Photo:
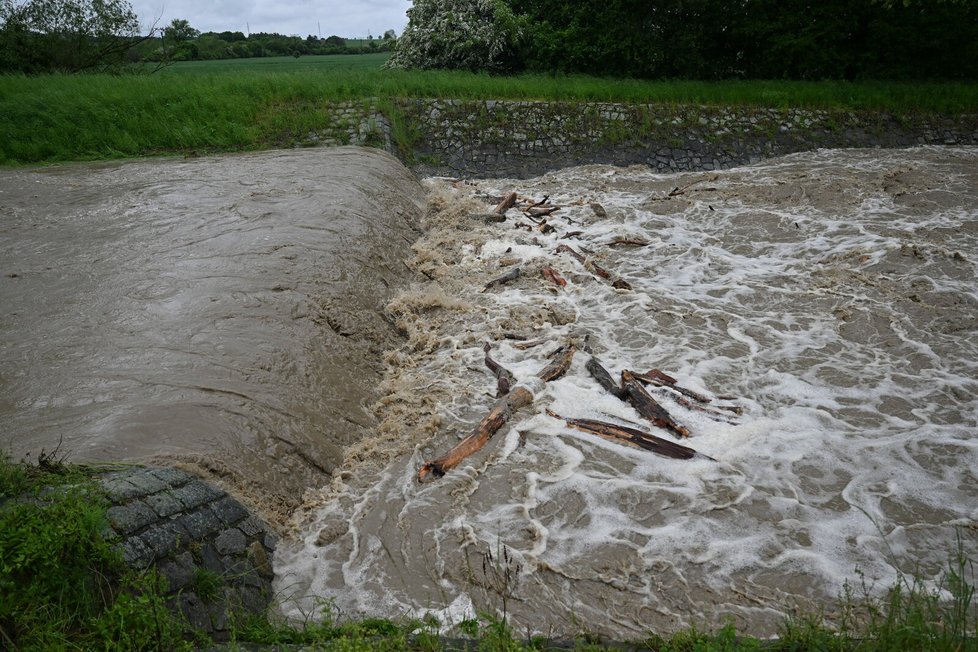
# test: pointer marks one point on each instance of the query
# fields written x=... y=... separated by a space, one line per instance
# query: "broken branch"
x=508 y=202
x=504 y=377
x=553 y=276
x=648 y=407
x=632 y=437
x=600 y=374
x=501 y=412
x=505 y=278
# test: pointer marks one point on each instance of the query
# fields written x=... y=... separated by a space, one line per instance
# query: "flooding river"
x=265 y=316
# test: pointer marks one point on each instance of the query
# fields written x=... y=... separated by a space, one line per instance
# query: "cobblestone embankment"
x=213 y=553
x=489 y=138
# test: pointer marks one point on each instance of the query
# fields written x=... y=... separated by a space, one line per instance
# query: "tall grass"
x=232 y=106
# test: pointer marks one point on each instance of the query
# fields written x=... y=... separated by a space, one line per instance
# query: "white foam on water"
x=831 y=293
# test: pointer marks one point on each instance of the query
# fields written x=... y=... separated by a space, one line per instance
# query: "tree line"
x=38 y=36
x=698 y=39
x=196 y=46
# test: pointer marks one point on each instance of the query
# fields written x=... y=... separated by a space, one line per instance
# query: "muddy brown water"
x=300 y=325
x=221 y=312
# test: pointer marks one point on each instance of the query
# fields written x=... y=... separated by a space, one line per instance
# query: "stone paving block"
x=251 y=526
x=166 y=539
x=137 y=553
x=147 y=482
x=201 y=523
x=210 y=559
x=194 y=610
x=173 y=477
x=229 y=510
x=129 y=518
x=179 y=571
x=231 y=542
x=163 y=503
x=119 y=488
x=197 y=493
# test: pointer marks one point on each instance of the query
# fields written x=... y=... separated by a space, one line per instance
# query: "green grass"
x=62 y=586
x=250 y=104
x=370 y=62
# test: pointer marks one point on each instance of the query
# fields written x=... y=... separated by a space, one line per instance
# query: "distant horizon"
x=302 y=18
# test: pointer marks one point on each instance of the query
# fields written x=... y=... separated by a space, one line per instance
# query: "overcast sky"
x=347 y=18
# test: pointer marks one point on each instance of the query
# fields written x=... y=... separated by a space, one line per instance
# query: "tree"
x=66 y=35
x=390 y=35
x=458 y=34
x=180 y=30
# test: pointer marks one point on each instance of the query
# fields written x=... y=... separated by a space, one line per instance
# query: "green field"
x=373 y=61
x=249 y=104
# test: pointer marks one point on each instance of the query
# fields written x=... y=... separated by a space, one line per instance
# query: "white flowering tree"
x=458 y=34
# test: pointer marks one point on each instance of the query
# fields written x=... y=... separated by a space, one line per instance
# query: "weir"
x=225 y=314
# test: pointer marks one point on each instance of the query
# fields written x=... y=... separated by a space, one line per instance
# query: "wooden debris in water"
x=631 y=437
x=648 y=407
x=553 y=276
x=501 y=412
x=504 y=377
x=509 y=276
x=507 y=202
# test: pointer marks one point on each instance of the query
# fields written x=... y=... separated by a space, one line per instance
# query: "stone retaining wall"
x=213 y=553
x=480 y=138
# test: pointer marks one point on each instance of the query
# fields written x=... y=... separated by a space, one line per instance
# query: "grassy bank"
x=63 y=587
x=249 y=104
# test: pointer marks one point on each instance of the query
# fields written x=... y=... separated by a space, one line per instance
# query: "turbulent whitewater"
x=832 y=295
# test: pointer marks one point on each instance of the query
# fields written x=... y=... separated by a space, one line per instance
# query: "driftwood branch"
x=600 y=374
x=507 y=203
x=592 y=266
x=553 y=276
x=648 y=407
x=504 y=377
x=660 y=379
x=501 y=412
x=632 y=437
x=512 y=275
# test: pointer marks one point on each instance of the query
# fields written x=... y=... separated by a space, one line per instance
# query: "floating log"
x=660 y=379
x=511 y=275
x=696 y=407
x=648 y=407
x=541 y=211
x=518 y=398
x=559 y=363
x=507 y=203
x=553 y=276
x=600 y=374
x=501 y=412
x=598 y=210
x=504 y=377
x=523 y=346
x=632 y=437
x=592 y=266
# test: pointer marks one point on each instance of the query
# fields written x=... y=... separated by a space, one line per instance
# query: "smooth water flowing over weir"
x=275 y=319
x=225 y=312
